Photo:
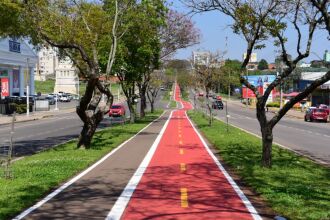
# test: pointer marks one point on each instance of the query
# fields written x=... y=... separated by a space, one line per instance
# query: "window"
x=14 y=46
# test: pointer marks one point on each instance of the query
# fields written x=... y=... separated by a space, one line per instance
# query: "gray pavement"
x=43 y=130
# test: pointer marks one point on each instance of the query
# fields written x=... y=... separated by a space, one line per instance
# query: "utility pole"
x=27 y=88
x=226 y=50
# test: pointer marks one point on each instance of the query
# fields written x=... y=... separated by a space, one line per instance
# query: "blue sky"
x=215 y=28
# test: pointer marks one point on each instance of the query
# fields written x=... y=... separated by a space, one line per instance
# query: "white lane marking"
x=119 y=207
x=73 y=180
x=239 y=192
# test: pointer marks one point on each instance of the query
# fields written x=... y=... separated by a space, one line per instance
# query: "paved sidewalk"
x=7 y=119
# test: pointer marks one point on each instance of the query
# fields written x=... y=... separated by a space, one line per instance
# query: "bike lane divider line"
x=184 y=198
x=119 y=207
x=238 y=191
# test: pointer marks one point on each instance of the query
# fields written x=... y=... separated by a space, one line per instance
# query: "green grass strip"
x=173 y=104
x=37 y=175
x=294 y=187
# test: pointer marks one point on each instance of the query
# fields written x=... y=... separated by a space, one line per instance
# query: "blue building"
x=17 y=62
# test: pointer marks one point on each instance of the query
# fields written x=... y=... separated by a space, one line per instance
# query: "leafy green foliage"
x=263 y=65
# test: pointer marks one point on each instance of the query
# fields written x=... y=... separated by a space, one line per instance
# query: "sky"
x=214 y=28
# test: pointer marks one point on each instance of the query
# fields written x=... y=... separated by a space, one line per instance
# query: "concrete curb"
x=37 y=117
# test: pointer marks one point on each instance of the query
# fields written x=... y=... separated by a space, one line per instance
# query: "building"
x=17 y=62
x=326 y=56
x=272 y=66
x=201 y=58
x=47 y=63
x=305 y=65
x=321 y=95
x=253 y=63
x=253 y=57
x=66 y=77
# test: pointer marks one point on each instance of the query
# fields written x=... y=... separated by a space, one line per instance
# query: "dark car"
x=316 y=114
x=217 y=104
x=117 y=110
x=51 y=100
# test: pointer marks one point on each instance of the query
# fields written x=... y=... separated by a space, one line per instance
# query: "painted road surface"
x=184 y=180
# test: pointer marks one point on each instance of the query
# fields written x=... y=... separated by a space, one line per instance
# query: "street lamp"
x=27 y=88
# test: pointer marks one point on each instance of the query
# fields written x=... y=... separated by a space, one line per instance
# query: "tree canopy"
x=263 y=64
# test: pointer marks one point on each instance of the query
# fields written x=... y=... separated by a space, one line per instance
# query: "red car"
x=117 y=110
x=313 y=114
x=219 y=98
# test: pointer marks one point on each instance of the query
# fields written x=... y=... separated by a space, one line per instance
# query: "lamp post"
x=27 y=89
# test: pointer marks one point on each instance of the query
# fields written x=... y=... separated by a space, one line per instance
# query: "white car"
x=64 y=98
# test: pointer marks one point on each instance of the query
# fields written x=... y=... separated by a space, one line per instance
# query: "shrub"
x=273 y=104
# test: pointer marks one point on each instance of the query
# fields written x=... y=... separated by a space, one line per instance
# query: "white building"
x=253 y=57
x=305 y=65
x=201 y=58
x=66 y=77
x=17 y=62
x=314 y=76
x=47 y=63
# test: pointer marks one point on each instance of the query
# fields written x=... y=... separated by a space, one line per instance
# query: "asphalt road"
x=34 y=136
x=310 y=139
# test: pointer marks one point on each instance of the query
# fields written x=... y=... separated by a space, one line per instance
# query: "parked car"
x=316 y=114
x=218 y=97
x=64 y=98
x=201 y=94
x=51 y=100
x=117 y=110
x=217 y=104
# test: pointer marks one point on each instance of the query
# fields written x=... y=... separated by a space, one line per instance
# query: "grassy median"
x=37 y=175
x=295 y=187
x=173 y=104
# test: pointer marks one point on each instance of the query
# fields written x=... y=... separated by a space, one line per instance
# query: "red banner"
x=4 y=87
x=248 y=93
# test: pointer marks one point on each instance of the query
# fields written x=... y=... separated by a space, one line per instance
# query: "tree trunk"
x=267 y=142
x=132 y=111
x=143 y=104
x=90 y=110
x=152 y=108
x=267 y=135
x=86 y=135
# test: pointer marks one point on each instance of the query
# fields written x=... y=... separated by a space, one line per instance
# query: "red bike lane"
x=184 y=181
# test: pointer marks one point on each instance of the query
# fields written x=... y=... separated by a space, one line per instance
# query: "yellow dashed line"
x=180 y=142
x=181 y=151
x=184 y=197
x=183 y=167
x=180 y=136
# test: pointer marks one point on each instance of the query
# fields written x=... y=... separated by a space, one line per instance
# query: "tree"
x=178 y=33
x=206 y=74
x=228 y=77
x=263 y=65
x=11 y=21
x=258 y=21
x=82 y=31
x=157 y=79
x=140 y=52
